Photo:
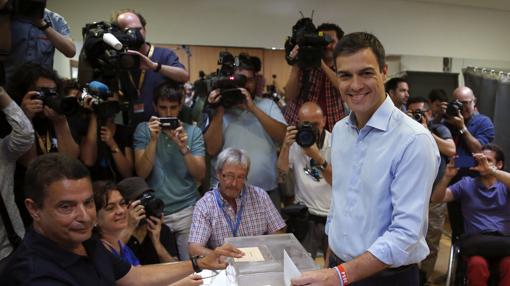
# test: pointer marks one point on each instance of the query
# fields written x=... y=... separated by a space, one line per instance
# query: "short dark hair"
x=331 y=27
x=500 y=156
x=247 y=62
x=115 y=16
x=168 y=90
x=393 y=83
x=102 y=190
x=355 y=42
x=68 y=85
x=25 y=76
x=418 y=99
x=50 y=168
x=438 y=94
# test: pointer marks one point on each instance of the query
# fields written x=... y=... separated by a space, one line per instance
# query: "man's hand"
x=30 y=105
x=451 y=170
x=483 y=167
x=53 y=115
x=107 y=137
x=136 y=213
x=323 y=277
x=290 y=136
x=154 y=127
x=216 y=259
x=294 y=52
x=312 y=151
x=457 y=121
x=214 y=97
x=248 y=104
x=179 y=136
x=145 y=62
x=190 y=280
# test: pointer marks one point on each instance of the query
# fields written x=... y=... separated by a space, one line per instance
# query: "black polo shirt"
x=40 y=261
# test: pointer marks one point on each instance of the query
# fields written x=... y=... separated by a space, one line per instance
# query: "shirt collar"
x=381 y=117
x=51 y=250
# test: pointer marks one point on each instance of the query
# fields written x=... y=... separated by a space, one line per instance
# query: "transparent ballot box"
x=263 y=261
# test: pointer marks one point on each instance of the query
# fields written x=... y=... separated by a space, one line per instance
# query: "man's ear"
x=32 y=208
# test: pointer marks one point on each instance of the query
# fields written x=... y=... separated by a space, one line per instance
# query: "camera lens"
x=306 y=135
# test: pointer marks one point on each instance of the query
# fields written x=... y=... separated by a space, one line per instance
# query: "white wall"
x=405 y=28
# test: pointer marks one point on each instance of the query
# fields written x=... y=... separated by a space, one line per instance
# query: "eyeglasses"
x=468 y=102
x=229 y=177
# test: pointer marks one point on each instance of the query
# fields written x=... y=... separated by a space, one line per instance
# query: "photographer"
x=303 y=164
x=171 y=156
x=255 y=125
x=419 y=109
x=485 y=208
x=111 y=158
x=12 y=146
x=156 y=66
x=470 y=129
x=398 y=89
x=35 y=32
x=320 y=83
x=34 y=87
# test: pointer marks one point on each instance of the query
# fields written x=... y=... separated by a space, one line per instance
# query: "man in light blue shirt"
x=384 y=164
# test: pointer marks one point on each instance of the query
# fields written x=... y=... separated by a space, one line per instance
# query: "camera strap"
x=141 y=79
x=44 y=144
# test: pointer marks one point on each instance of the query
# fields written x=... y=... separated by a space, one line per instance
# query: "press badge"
x=138 y=107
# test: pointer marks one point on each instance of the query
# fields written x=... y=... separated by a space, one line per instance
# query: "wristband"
x=44 y=27
x=342 y=275
x=194 y=263
x=158 y=68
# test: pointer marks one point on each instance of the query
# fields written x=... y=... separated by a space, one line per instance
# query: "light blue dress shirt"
x=382 y=181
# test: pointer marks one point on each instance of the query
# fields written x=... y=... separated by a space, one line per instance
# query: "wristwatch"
x=463 y=130
x=323 y=166
x=45 y=26
x=194 y=263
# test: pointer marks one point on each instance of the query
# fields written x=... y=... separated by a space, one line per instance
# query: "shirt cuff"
x=389 y=254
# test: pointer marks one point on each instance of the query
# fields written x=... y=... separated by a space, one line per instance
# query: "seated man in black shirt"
x=59 y=250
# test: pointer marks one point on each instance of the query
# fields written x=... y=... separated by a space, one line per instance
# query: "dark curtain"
x=493 y=99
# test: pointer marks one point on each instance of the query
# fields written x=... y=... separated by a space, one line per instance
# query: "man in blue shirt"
x=172 y=161
x=156 y=66
x=384 y=164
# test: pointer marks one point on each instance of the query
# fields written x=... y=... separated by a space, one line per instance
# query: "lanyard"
x=233 y=228
x=44 y=144
x=142 y=74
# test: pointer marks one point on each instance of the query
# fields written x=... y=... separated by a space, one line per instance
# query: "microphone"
x=112 y=41
x=98 y=88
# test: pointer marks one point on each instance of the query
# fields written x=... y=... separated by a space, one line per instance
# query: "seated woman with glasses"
x=232 y=209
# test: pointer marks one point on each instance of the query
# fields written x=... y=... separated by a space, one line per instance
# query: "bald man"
x=306 y=171
x=470 y=129
x=156 y=65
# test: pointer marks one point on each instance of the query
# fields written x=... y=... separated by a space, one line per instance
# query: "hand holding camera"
x=248 y=101
x=107 y=137
x=290 y=136
x=154 y=227
x=136 y=213
x=483 y=167
x=31 y=105
x=145 y=62
x=154 y=127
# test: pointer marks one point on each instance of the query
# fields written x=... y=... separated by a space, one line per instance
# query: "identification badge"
x=138 y=107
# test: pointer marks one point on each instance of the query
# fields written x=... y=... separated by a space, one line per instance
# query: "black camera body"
x=418 y=115
x=152 y=205
x=229 y=86
x=28 y=9
x=453 y=108
x=306 y=135
x=99 y=93
x=169 y=122
x=311 y=44
x=66 y=105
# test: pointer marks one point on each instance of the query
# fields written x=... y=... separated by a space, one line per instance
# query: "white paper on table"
x=251 y=254
x=290 y=269
x=218 y=280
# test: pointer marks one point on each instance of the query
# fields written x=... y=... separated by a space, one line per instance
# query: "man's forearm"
x=195 y=165
x=62 y=43
x=503 y=177
x=439 y=191
x=156 y=274
x=446 y=146
x=88 y=146
x=472 y=143
x=293 y=85
x=196 y=249
x=363 y=266
x=274 y=128
x=66 y=143
x=174 y=73
x=330 y=74
x=144 y=161
x=213 y=136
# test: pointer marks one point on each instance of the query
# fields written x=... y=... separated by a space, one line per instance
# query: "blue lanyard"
x=233 y=228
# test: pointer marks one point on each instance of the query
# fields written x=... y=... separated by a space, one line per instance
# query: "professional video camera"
x=98 y=93
x=453 y=108
x=310 y=41
x=152 y=205
x=306 y=135
x=418 y=115
x=104 y=52
x=65 y=105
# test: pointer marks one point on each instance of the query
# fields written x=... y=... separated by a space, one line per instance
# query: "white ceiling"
x=490 y=4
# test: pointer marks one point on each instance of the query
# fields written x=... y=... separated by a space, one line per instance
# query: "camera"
x=311 y=44
x=152 y=205
x=28 y=9
x=453 y=108
x=418 y=115
x=98 y=94
x=65 y=105
x=306 y=135
x=169 y=122
x=229 y=89
x=104 y=52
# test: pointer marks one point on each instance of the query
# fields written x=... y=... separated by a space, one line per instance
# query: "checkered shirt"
x=322 y=92
x=210 y=227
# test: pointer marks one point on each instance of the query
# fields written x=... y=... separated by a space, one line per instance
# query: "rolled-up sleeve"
x=410 y=194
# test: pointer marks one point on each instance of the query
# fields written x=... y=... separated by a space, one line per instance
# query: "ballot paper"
x=289 y=269
x=251 y=254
